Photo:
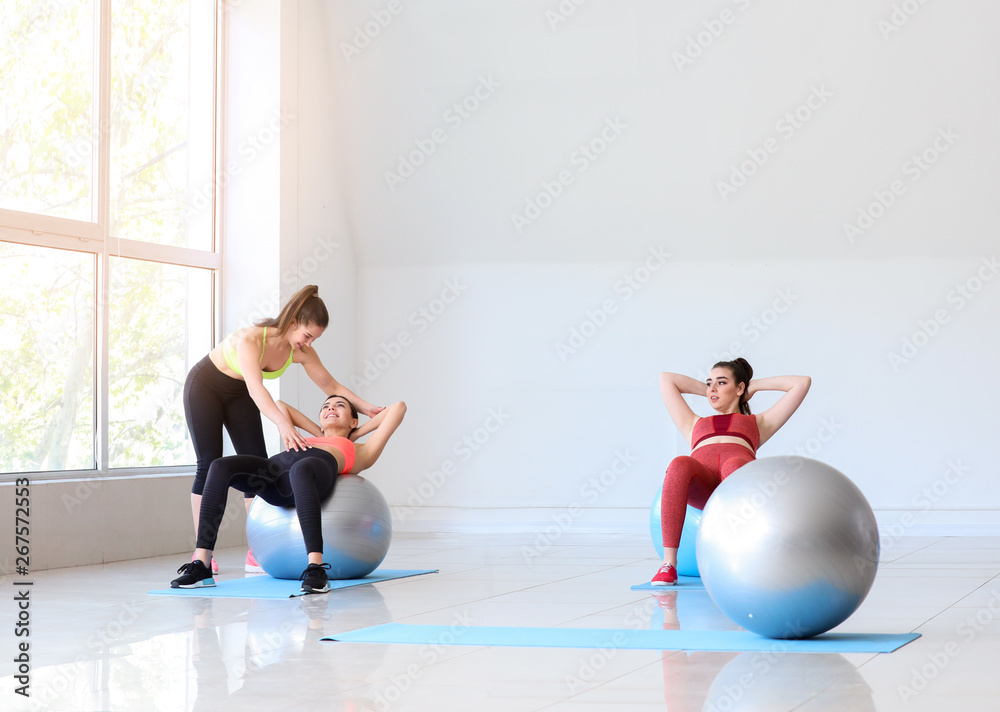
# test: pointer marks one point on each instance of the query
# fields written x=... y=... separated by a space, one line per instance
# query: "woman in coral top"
x=226 y=388
x=720 y=444
x=303 y=479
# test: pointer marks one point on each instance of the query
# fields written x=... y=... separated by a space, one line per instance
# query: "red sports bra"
x=732 y=424
x=345 y=446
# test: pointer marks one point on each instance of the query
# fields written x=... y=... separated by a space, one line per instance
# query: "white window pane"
x=162 y=121
x=47 y=134
x=47 y=349
x=160 y=325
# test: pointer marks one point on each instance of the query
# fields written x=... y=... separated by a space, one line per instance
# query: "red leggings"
x=691 y=479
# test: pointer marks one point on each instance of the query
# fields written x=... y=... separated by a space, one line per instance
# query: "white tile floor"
x=98 y=642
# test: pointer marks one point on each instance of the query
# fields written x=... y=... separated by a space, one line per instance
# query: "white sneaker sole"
x=204 y=583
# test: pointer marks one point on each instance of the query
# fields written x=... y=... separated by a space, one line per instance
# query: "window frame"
x=94 y=238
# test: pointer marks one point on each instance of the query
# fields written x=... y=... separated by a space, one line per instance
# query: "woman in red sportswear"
x=720 y=444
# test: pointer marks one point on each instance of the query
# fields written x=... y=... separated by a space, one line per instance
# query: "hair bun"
x=746 y=365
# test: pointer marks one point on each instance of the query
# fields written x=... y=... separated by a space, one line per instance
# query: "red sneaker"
x=252 y=567
x=666 y=576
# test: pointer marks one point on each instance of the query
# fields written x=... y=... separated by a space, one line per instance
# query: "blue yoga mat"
x=626 y=639
x=688 y=583
x=264 y=586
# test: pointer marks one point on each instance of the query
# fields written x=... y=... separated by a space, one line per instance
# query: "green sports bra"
x=229 y=354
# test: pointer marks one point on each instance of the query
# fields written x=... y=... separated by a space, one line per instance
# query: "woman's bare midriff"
x=215 y=355
x=723 y=439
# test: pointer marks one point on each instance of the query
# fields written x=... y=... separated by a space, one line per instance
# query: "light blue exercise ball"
x=687 y=560
x=788 y=547
x=357 y=529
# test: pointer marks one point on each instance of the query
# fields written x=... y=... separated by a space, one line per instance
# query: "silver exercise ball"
x=788 y=547
x=357 y=529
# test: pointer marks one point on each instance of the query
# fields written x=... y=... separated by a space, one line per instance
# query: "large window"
x=107 y=224
x=47 y=102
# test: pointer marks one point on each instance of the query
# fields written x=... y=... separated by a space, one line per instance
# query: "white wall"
x=879 y=102
x=320 y=250
x=570 y=362
x=285 y=217
x=874 y=99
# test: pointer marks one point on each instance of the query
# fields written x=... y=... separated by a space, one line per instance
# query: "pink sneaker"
x=666 y=576
x=215 y=565
x=252 y=567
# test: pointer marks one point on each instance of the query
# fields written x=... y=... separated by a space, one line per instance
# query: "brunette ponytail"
x=305 y=307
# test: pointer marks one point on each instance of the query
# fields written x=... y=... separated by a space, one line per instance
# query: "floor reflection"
x=757 y=681
x=245 y=660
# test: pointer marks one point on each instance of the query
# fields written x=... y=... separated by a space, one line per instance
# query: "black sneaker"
x=195 y=575
x=314 y=578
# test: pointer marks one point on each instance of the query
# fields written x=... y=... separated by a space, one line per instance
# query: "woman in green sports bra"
x=226 y=388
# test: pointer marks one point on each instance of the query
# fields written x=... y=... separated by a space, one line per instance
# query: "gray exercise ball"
x=357 y=529
x=788 y=547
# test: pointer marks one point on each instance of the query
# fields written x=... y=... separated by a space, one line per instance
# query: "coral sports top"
x=731 y=424
x=229 y=354
x=345 y=446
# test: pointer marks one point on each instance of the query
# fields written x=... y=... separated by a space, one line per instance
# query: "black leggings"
x=213 y=400
x=303 y=479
